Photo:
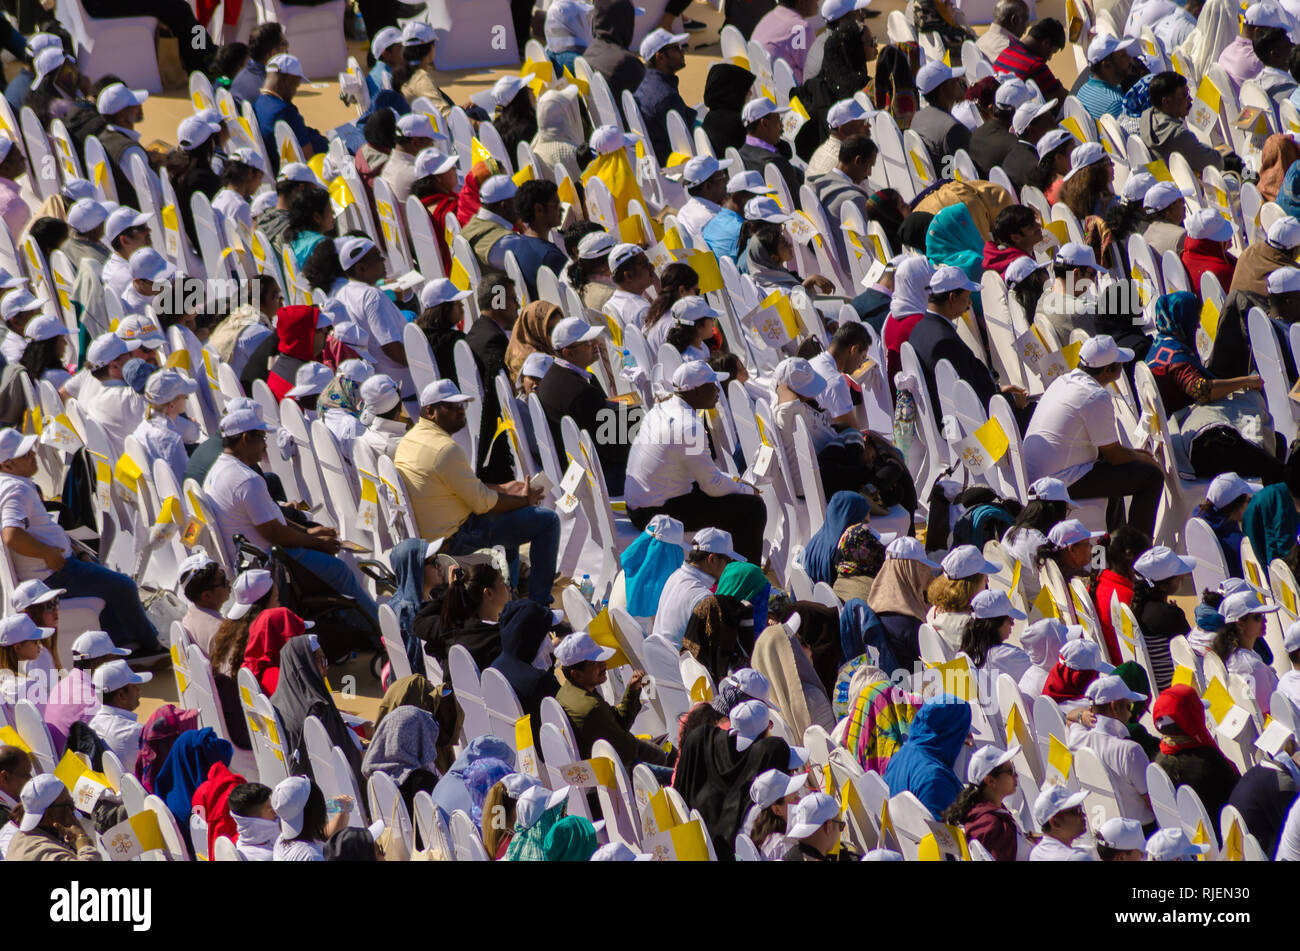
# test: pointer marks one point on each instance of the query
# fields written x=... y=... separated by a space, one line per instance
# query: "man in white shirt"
x=15 y=770
x=848 y=349
x=244 y=506
x=633 y=275
x=126 y=231
x=116 y=723
x=149 y=271
x=382 y=415
x=1010 y=18
x=414 y=134
x=1060 y=815
x=710 y=553
x=40 y=548
x=671 y=467
x=113 y=404
x=373 y=310
x=1112 y=705
x=1074 y=423
x=706 y=183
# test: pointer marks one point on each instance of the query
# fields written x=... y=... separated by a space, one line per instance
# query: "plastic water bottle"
x=359 y=27
x=587 y=588
x=629 y=361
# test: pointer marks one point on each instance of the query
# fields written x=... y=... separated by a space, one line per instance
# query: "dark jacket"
x=593 y=719
x=200 y=178
x=116 y=145
x=993 y=827
x=757 y=159
x=1206 y=770
x=1264 y=797
x=934 y=338
x=562 y=393
x=990 y=144
x=524 y=626
x=656 y=96
x=612 y=25
x=745 y=14
x=726 y=89
x=487 y=342
x=1019 y=159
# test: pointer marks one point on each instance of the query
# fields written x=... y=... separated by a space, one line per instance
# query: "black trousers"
x=197 y=48
x=1141 y=481
x=744 y=516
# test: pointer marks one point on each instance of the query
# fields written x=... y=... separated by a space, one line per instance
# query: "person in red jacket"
x=302 y=329
x=211 y=800
x=990 y=779
x=1206 y=247
x=266 y=638
x=1016 y=232
x=1123 y=548
x=439 y=191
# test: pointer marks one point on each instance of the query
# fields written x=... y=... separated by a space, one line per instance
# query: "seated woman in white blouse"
x=304 y=823
x=1235 y=644
x=984 y=638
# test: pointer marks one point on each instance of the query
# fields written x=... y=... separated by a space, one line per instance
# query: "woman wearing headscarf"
x=819 y=555
x=858 y=558
x=1042 y=641
x=952 y=238
x=1289 y=197
x=480 y=777
x=536 y=813
x=1136 y=679
x=568 y=33
x=797 y=692
x=452 y=791
x=726 y=90
x=193 y=754
x=911 y=302
x=572 y=839
x=301 y=330
x=1188 y=753
x=924 y=764
x=531 y=334
x=1206 y=409
x=302 y=693
x=416 y=691
x=653 y=555
x=419 y=582
x=1205 y=250
x=1069 y=678
x=266 y=639
x=212 y=799
x=898 y=597
x=746 y=582
x=894 y=87
x=352 y=845
x=559 y=130
x=1216 y=27
x=160 y=732
x=879 y=719
x=767 y=255
x=525 y=629
x=1280 y=153
x=405 y=747
x=843 y=73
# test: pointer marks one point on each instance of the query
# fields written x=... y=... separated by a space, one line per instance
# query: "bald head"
x=1012 y=16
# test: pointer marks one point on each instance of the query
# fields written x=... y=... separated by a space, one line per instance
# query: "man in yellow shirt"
x=450 y=502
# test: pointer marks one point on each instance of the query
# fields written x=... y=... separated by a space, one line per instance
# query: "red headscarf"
x=213 y=797
x=1181 y=704
x=157 y=737
x=266 y=638
x=1066 y=683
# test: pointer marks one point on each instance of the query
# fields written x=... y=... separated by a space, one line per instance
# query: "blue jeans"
x=18 y=87
x=334 y=572
x=123 y=616
x=532 y=524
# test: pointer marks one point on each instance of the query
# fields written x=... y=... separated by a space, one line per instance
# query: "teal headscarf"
x=747 y=582
x=1177 y=317
x=528 y=844
x=953 y=239
x=648 y=562
x=1289 y=196
x=572 y=839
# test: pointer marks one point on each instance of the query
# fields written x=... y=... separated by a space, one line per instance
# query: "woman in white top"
x=40 y=603
x=965 y=574
x=304 y=822
x=164 y=432
x=773 y=793
x=1042 y=641
x=45 y=356
x=241 y=177
x=1235 y=644
x=1049 y=503
x=693 y=322
x=984 y=639
x=20 y=644
x=678 y=280
x=633 y=275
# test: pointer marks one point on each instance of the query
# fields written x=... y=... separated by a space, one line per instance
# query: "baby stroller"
x=341 y=628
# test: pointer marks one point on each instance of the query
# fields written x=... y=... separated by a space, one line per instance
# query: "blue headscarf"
x=407 y=559
x=481 y=776
x=1138 y=98
x=1177 y=317
x=860 y=629
x=186 y=768
x=953 y=239
x=845 y=509
x=452 y=793
x=647 y=563
x=1289 y=196
x=923 y=765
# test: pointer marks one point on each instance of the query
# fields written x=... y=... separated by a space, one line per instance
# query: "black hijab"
x=726 y=90
x=302 y=693
x=350 y=845
x=913 y=231
x=524 y=625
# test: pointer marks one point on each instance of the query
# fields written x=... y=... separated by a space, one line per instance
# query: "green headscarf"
x=747 y=582
x=1135 y=678
x=528 y=845
x=572 y=839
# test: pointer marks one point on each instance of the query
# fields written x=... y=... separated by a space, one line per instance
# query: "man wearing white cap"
x=205 y=586
x=845 y=119
x=1112 y=704
x=49 y=831
x=1073 y=437
x=1103 y=93
x=382 y=415
x=764 y=145
x=942 y=87
x=671 y=468
x=449 y=501
x=710 y=553
x=1277 y=251
x=122 y=108
x=1163 y=126
x=494 y=221
x=86 y=220
x=722 y=232
x=1059 y=813
x=664 y=54
x=372 y=310
x=113 y=404
x=1164 y=202
x=164 y=433
x=1010 y=17
x=414 y=134
x=705 y=179
x=815 y=827
x=18 y=308
x=116 y=723
x=275 y=104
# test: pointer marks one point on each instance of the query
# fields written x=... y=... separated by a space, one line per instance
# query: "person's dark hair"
x=970 y=795
x=767 y=824
x=428 y=185
x=858 y=147
x=412 y=56
x=1043 y=172
x=1125 y=546
x=102 y=83
x=246 y=797
x=768 y=235
x=1265 y=38
x=234 y=173
x=984 y=95
x=697 y=556
x=574 y=233
x=725 y=362
x=1227 y=640
x=465 y=595
x=306 y=207
x=1048 y=30
x=264 y=38
x=979 y=636
x=680 y=336
x=808 y=348
x=322 y=267
x=700 y=717
x=1106 y=853
x=844 y=61
x=12 y=757
x=437 y=318
x=1163 y=85
x=942 y=297
x=850 y=334
x=180 y=161
x=1206 y=507
x=41 y=355
x=230 y=59
x=677 y=278
x=581 y=271
x=530 y=195
x=1029 y=290
x=630 y=267
x=1293 y=63
x=380 y=130
x=516 y=121
x=286 y=188
x=1012 y=220
x=1083 y=190
x=1126 y=218
x=1144 y=591
x=231 y=639
x=490 y=282
x=48 y=233
x=202 y=580
x=1040 y=514
x=313 y=817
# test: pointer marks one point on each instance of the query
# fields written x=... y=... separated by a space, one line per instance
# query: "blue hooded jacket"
x=186 y=768
x=843 y=510
x=860 y=629
x=923 y=766
x=407 y=559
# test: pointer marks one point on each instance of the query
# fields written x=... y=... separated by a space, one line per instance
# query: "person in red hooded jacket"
x=266 y=638
x=1187 y=749
x=1016 y=232
x=301 y=329
x=212 y=801
x=1206 y=247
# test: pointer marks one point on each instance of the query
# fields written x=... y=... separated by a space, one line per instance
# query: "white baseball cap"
x=1291 y=642
x=846 y=111
x=193 y=564
x=249 y=588
x=692 y=309
x=31 y=592
x=1163 y=194
x=1019 y=269
x=440 y=291
x=38 y=42
x=1123 y=835
x=20 y=301
x=1237 y=606
x=86 y=215
x=38 y=794
x=1160 y=563
x=1227 y=487
x=1074 y=254
x=536 y=364
x=141 y=329
x=620 y=254
x=748 y=181
x=716 y=542
x=698 y=170
x=757 y=109
x=45 y=327
x=1048 y=489
x=810 y=813
x=750 y=682
x=1084 y=655
x=535 y=802
x=907 y=548
x=193 y=131
x=49 y=60
x=1101 y=351
x=598 y=244
x=14 y=444
x=1027 y=112
x=579 y=648
x=1137 y=185
x=986 y=759
x=1089 y=153
x=1206 y=224
x=1269 y=14
x=298 y=172
x=120 y=220
x=146 y=264
x=609 y=138
x=947 y=278
x=417 y=33
x=17 y=628
x=934 y=74
x=113 y=99
x=497 y=188
x=1071 y=532
x=1284 y=280
x=965 y=561
x=1283 y=234
x=351 y=250
x=695 y=373
x=350 y=333
x=749 y=721
x=1054 y=799
x=106 y=348
x=379 y=394
x=442 y=391
x=772 y=786
x=430 y=161
x=1105 y=44
x=1012 y=93
x=310 y=380
x=384 y=38
x=765 y=208
x=994 y=604
x=357 y=370
x=240 y=421
x=289 y=800
x=93 y=644
x=657 y=39
x=798 y=374
x=1108 y=689
x=415 y=125
x=167 y=384
x=286 y=64
x=832 y=10
x=116 y=674
x=1171 y=845
x=573 y=330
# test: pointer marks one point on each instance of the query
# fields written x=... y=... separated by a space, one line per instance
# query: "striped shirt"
x=1018 y=59
x=1101 y=98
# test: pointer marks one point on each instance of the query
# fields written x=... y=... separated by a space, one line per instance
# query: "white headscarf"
x=911 y=287
x=1216 y=27
x=558 y=118
x=568 y=25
